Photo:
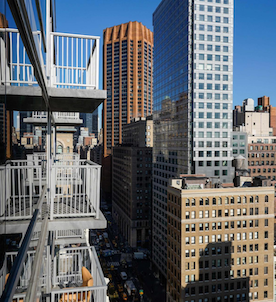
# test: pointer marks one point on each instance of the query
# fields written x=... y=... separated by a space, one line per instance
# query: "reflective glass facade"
x=192 y=99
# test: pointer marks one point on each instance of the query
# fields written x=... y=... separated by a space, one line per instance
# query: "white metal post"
x=97 y=62
x=48 y=40
x=54 y=141
x=48 y=156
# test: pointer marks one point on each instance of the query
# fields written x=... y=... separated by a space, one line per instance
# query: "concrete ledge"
x=29 y=98
x=20 y=226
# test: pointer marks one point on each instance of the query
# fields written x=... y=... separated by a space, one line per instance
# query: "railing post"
x=98 y=175
x=97 y=63
x=54 y=141
x=53 y=186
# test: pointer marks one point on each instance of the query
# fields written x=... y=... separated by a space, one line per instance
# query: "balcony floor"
x=63 y=223
x=29 y=98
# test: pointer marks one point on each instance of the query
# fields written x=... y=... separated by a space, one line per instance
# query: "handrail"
x=13 y=278
x=74 y=35
x=31 y=291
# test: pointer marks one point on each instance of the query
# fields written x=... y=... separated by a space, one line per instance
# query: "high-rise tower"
x=128 y=52
x=193 y=71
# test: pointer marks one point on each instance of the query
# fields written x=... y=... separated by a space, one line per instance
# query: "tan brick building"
x=220 y=242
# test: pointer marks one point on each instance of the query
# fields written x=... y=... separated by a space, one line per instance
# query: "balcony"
x=61 y=118
x=61 y=275
x=74 y=201
x=70 y=67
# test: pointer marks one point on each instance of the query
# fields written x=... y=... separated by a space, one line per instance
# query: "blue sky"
x=254 y=35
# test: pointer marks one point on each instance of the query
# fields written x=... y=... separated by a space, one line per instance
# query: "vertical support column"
x=49 y=157
x=54 y=141
x=97 y=63
x=48 y=41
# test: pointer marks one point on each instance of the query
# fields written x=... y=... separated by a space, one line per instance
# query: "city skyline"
x=253 y=26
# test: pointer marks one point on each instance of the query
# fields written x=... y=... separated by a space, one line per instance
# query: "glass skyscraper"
x=193 y=78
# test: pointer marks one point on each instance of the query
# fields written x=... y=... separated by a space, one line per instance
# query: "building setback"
x=193 y=70
x=223 y=236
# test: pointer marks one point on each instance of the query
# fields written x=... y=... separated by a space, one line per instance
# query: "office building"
x=220 y=242
x=258 y=124
x=132 y=182
x=48 y=200
x=139 y=132
x=127 y=77
x=91 y=121
x=127 y=55
x=193 y=71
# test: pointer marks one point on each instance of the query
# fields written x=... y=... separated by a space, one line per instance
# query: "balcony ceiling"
x=29 y=98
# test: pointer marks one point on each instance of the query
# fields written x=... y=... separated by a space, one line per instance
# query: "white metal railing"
x=76 y=191
x=42 y=115
x=27 y=269
x=75 y=187
x=3 y=273
x=80 y=294
x=23 y=185
x=75 y=62
x=68 y=157
x=73 y=233
x=16 y=68
x=67 y=271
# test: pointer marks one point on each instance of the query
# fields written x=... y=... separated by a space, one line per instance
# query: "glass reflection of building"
x=193 y=63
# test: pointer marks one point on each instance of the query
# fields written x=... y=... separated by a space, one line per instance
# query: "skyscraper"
x=192 y=99
x=128 y=51
x=90 y=121
x=127 y=77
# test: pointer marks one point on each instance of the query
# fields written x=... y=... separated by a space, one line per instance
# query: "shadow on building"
x=216 y=281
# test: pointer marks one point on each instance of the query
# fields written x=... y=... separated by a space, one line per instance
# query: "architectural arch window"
x=266 y=198
x=59 y=149
x=68 y=149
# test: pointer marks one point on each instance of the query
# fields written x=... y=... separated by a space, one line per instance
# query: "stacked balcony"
x=74 y=193
x=52 y=200
x=70 y=70
x=61 y=275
